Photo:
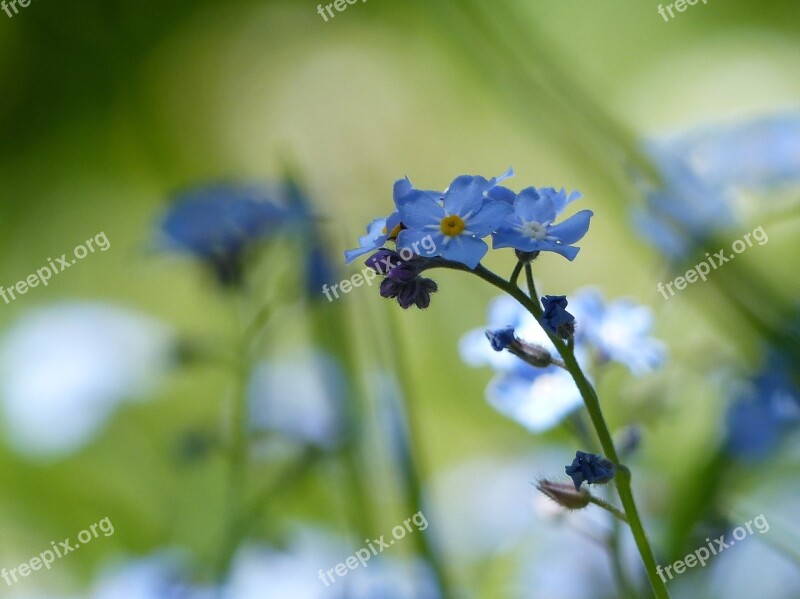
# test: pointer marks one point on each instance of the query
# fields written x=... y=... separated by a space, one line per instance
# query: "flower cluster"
x=452 y=225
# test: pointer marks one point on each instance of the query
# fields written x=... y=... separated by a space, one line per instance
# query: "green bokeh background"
x=108 y=107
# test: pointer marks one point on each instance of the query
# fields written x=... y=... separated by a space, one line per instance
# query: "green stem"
x=238 y=459
x=608 y=507
x=532 y=290
x=517 y=270
x=592 y=403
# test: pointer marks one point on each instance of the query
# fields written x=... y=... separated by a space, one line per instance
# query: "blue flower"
x=67 y=368
x=763 y=411
x=619 y=330
x=757 y=154
x=556 y=319
x=501 y=339
x=590 y=468
x=454 y=224
x=530 y=228
x=219 y=223
x=685 y=210
x=537 y=398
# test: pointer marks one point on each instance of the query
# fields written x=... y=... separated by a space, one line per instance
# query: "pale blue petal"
x=538 y=403
x=573 y=229
x=422 y=212
x=502 y=194
x=428 y=242
x=530 y=206
x=465 y=195
x=464 y=249
x=488 y=218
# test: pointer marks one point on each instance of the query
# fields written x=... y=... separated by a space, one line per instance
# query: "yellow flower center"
x=452 y=225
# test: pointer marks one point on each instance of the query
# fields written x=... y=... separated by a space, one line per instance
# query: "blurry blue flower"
x=685 y=210
x=619 y=330
x=536 y=398
x=456 y=224
x=500 y=339
x=65 y=369
x=161 y=576
x=590 y=468
x=555 y=318
x=756 y=154
x=704 y=171
x=299 y=397
x=530 y=228
x=763 y=411
x=219 y=223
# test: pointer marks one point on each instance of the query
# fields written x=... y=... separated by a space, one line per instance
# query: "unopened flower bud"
x=534 y=354
x=564 y=494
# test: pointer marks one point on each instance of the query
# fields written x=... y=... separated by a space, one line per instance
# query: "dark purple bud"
x=390 y=288
x=405 y=273
x=383 y=261
x=407 y=296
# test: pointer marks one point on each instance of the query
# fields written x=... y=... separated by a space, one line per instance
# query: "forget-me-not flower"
x=456 y=223
x=618 y=330
x=763 y=411
x=67 y=368
x=536 y=398
x=530 y=227
x=219 y=223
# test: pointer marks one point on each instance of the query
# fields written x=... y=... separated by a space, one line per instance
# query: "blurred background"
x=242 y=433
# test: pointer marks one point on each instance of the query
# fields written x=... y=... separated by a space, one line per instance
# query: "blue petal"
x=428 y=243
x=539 y=401
x=464 y=249
x=573 y=229
x=530 y=205
x=568 y=251
x=560 y=198
x=402 y=187
x=506 y=175
x=488 y=218
x=507 y=237
x=503 y=194
x=465 y=195
x=374 y=239
x=422 y=212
